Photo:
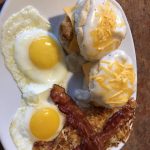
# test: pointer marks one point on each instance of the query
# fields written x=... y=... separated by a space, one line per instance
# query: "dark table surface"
x=138 y=13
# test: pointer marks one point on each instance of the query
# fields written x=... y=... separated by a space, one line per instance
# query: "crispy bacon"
x=124 y=115
x=77 y=119
x=121 y=117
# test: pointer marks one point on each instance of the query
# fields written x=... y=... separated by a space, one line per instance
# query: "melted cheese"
x=102 y=34
x=117 y=78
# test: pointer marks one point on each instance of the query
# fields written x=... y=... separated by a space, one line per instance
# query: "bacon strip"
x=121 y=117
x=77 y=119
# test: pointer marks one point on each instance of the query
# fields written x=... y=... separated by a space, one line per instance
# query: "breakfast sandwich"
x=97 y=27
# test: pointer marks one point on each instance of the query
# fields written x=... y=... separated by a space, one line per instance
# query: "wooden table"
x=138 y=13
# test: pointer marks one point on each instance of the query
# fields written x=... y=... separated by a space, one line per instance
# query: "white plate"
x=9 y=93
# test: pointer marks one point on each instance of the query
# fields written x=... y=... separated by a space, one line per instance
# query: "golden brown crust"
x=66 y=30
x=68 y=37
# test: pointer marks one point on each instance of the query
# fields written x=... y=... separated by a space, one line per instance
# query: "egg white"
x=30 y=80
x=19 y=128
x=22 y=44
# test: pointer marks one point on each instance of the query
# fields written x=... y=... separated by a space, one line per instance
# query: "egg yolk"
x=44 y=123
x=44 y=52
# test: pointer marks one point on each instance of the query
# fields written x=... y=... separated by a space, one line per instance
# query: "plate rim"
x=6 y=5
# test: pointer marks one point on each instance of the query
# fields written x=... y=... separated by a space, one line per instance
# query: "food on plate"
x=32 y=53
x=86 y=67
x=98 y=26
x=101 y=116
x=31 y=123
x=67 y=32
x=95 y=127
x=112 y=80
x=74 y=62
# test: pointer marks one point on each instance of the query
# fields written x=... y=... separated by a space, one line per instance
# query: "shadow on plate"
x=76 y=81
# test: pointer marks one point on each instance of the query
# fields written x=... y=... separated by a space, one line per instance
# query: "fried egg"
x=32 y=53
x=41 y=122
x=100 y=27
x=112 y=80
